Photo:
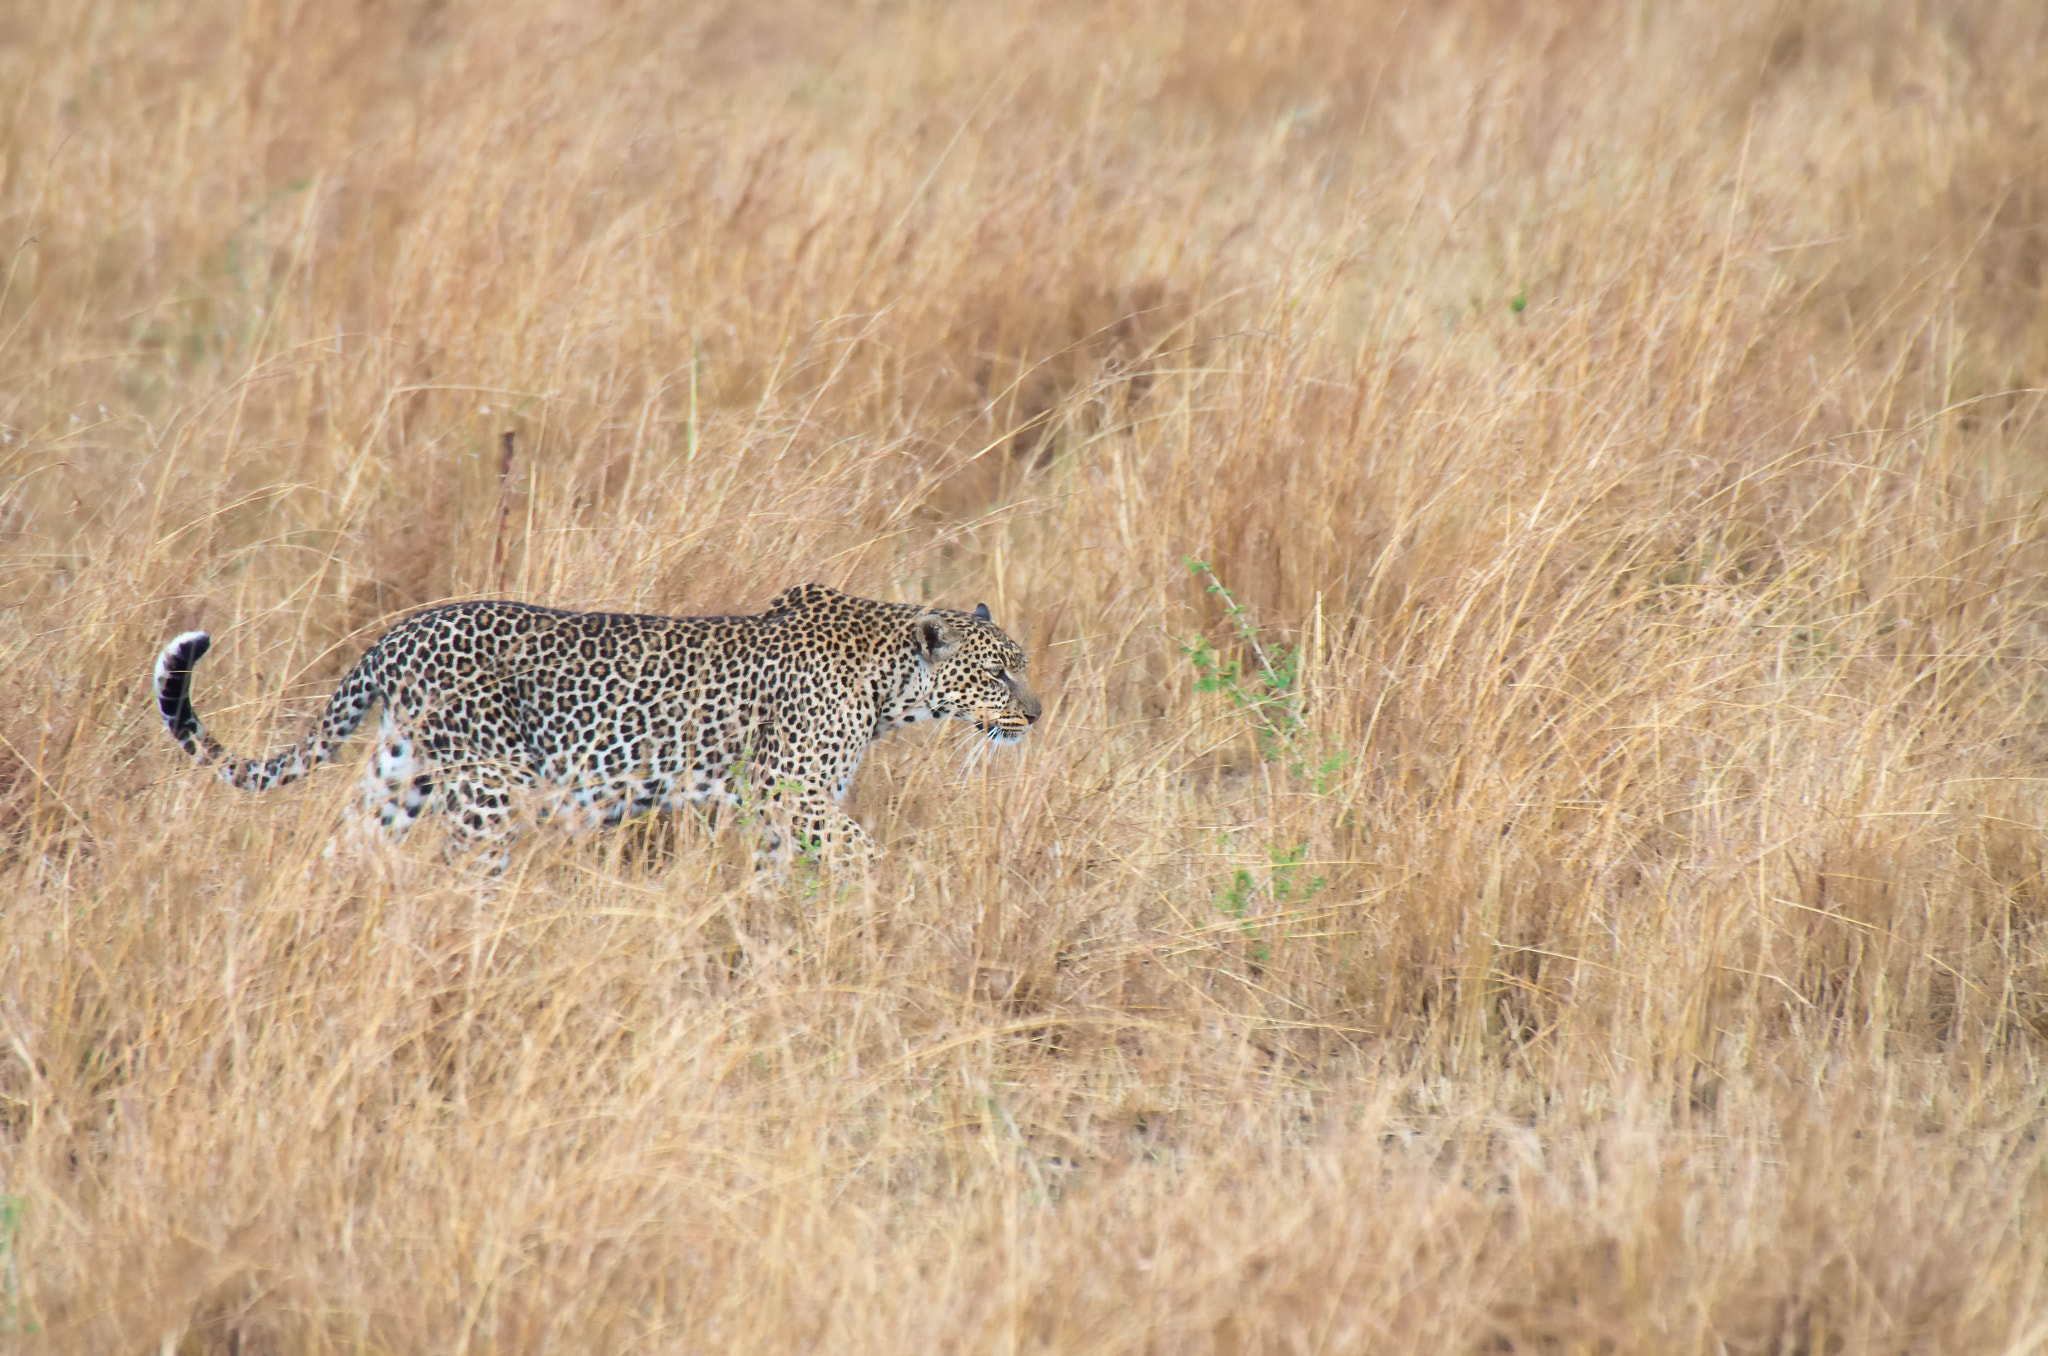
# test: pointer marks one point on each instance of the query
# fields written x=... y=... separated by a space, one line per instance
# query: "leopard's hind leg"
x=399 y=786
x=478 y=800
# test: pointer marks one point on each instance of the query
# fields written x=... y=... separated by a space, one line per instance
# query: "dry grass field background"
x=1567 y=876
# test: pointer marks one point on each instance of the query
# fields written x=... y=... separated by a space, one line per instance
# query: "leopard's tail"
x=345 y=710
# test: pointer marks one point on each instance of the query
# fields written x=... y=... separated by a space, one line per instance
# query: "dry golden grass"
x=1625 y=931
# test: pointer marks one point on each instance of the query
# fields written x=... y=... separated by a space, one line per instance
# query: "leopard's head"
x=974 y=672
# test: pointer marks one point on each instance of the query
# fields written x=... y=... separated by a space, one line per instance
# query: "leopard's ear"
x=934 y=639
x=981 y=612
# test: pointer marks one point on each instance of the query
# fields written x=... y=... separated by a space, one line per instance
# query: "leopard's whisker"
x=974 y=752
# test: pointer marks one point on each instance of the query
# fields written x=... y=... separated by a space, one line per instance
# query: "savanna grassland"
x=1564 y=875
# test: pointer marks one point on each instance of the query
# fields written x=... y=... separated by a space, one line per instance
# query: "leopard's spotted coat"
x=605 y=715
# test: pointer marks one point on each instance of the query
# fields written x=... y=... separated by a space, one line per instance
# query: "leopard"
x=494 y=710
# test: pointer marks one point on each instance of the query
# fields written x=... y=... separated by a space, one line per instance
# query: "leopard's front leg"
x=822 y=829
x=799 y=820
